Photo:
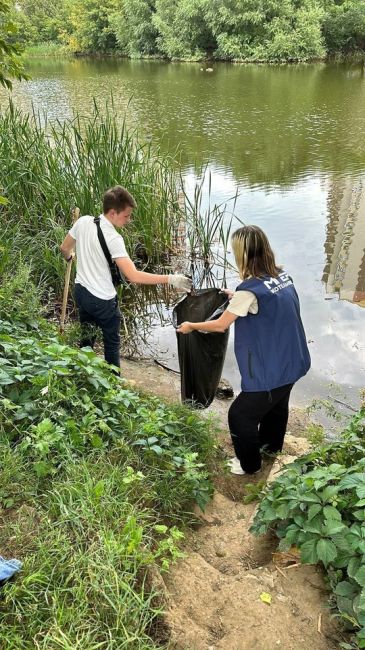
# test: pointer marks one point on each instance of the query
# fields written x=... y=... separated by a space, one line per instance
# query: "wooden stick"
x=280 y=571
x=319 y=624
x=293 y=566
x=75 y=216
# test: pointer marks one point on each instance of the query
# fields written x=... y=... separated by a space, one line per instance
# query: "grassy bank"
x=45 y=50
x=96 y=483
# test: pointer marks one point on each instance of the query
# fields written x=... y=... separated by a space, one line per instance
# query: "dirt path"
x=215 y=592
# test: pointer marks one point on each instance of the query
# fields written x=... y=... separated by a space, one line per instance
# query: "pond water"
x=291 y=140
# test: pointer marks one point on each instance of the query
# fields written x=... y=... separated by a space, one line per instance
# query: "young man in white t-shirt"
x=95 y=294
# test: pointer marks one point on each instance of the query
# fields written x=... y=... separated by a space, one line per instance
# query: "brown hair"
x=117 y=198
x=253 y=253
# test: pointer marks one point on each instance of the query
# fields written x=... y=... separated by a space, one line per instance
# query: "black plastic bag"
x=201 y=354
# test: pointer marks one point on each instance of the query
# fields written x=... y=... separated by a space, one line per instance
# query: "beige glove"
x=179 y=281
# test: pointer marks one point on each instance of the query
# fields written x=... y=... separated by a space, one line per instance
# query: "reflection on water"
x=344 y=272
x=289 y=139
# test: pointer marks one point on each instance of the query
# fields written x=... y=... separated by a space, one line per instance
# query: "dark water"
x=291 y=139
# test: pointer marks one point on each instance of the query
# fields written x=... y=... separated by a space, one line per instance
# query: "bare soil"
x=215 y=595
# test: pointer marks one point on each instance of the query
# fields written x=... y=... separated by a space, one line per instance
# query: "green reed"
x=49 y=168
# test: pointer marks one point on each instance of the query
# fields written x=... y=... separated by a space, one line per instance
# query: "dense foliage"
x=318 y=505
x=10 y=66
x=94 y=481
x=273 y=30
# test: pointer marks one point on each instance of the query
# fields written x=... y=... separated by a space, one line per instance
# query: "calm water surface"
x=291 y=139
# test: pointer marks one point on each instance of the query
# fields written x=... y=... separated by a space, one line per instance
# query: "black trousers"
x=256 y=420
x=105 y=314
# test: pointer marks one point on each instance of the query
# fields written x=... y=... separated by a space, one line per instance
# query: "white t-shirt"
x=92 y=269
x=242 y=303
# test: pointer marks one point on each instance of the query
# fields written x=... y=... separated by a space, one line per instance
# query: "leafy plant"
x=318 y=505
x=108 y=476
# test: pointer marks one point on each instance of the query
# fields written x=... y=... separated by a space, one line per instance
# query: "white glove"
x=179 y=281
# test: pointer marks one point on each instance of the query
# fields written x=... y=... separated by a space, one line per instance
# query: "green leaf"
x=283 y=511
x=161 y=529
x=331 y=513
x=346 y=589
x=332 y=527
x=313 y=526
x=99 y=489
x=361 y=635
x=43 y=468
x=326 y=551
x=360 y=576
x=157 y=449
x=308 y=552
x=345 y=606
x=353 y=566
x=314 y=510
x=96 y=441
x=351 y=481
x=310 y=498
x=329 y=492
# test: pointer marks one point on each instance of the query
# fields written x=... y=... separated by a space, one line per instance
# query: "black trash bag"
x=201 y=354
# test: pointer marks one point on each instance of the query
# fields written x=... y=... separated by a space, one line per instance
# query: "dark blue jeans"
x=105 y=314
x=258 y=420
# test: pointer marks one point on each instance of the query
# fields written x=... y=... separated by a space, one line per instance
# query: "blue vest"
x=270 y=347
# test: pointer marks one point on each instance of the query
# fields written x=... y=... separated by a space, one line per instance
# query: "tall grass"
x=47 y=169
x=207 y=231
x=46 y=49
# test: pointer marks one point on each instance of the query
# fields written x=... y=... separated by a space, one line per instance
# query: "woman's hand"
x=184 y=328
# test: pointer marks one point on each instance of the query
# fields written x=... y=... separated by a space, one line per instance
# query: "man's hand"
x=179 y=281
x=229 y=293
x=71 y=258
x=184 y=328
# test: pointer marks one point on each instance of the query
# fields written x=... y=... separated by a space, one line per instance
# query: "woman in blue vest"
x=270 y=348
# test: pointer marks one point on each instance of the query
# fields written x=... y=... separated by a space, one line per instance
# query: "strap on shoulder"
x=103 y=242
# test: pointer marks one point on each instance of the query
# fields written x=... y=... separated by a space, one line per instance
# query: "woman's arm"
x=220 y=325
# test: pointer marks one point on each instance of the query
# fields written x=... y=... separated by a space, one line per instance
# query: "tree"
x=134 y=29
x=270 y=30
x=183 y=29
x=44 y=19
x=344 y=25
x=91 y=25
x=10 y=65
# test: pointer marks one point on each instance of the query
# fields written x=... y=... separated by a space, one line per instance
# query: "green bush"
x=318 y=505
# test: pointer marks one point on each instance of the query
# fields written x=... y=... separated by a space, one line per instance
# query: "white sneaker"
x=235 y=467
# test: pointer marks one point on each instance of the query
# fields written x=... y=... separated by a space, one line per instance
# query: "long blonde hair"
x=253 y=253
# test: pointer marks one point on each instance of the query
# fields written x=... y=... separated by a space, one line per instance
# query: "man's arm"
x=127 y=267
x=67 y=247
x=175 y=280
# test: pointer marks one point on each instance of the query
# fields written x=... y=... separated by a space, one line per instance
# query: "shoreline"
x=51 y=50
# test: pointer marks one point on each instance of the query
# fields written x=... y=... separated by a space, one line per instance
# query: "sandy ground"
x=214 y=594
